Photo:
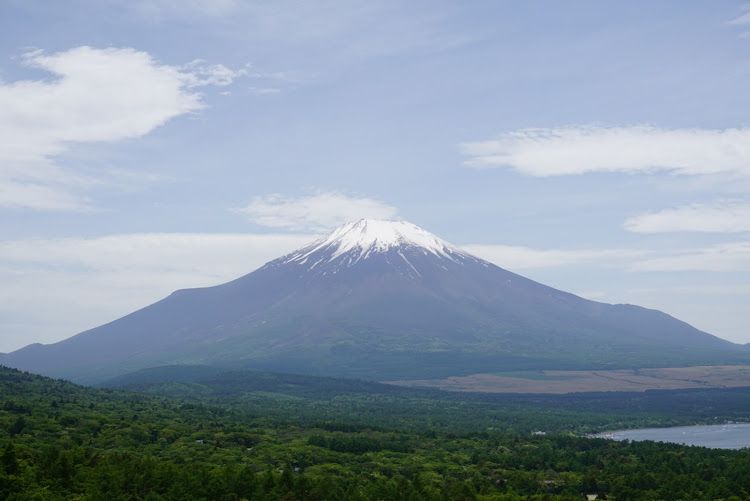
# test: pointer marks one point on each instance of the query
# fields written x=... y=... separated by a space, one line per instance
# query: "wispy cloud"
x=82 y=282
x=198 y=73
x=584 y=149
x=180 y=9
x=727 y=217
x=701 y=289
x=522 y=258
x=15 y=194
x=206 y=256
x=743 y=20
x=334 y=30
x=96 y=95
x=318 y=212
x=264 y=91
x=725 y=257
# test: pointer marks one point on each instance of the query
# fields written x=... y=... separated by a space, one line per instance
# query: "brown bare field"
x=670 y=378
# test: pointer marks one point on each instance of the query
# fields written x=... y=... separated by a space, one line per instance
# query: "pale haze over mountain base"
x=599 y=148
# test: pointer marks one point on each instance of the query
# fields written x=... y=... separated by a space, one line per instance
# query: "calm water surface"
x=721 y=436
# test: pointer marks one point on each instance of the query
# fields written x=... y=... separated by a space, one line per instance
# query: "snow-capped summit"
x=360 y=239
x=382 y=245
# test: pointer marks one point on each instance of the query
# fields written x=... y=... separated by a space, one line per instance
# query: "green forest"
x=310 y=399
x=259 y=436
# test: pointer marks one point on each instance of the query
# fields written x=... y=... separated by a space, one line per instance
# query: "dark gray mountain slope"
x=380 y=300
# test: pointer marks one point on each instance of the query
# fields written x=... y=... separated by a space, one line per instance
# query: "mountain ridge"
x=379 y=300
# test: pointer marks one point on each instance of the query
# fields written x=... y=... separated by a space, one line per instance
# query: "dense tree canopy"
x=62 y=441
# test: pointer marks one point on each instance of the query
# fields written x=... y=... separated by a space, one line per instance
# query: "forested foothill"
x=311 y=399
x=278 y=439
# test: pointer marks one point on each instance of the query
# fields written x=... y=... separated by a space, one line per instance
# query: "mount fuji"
x=379 y=300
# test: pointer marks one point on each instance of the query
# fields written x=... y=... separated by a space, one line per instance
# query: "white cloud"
x=733 y=217
x=521 y=258
x=96 y=95
x=319 y=212
x=80 y=283
x=726 y=257
x=583 y=149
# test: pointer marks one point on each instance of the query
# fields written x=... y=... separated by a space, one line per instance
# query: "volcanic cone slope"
x=379 y=300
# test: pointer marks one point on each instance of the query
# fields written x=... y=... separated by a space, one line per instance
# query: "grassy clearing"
x=558 y=382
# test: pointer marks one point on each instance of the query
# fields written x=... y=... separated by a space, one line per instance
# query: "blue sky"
x=602 y=148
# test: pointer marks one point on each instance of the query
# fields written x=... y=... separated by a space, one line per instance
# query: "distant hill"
x=164 y=373
x=207 y=381
x=380 y=300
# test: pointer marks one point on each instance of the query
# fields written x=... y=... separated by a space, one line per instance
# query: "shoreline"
x=694 y=439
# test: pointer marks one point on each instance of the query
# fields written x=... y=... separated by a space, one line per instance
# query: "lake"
x=720 y=436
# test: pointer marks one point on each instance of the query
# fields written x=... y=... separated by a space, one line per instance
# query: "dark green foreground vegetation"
x=62 y=441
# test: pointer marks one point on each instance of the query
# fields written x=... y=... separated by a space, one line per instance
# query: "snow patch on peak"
x=367 y=236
